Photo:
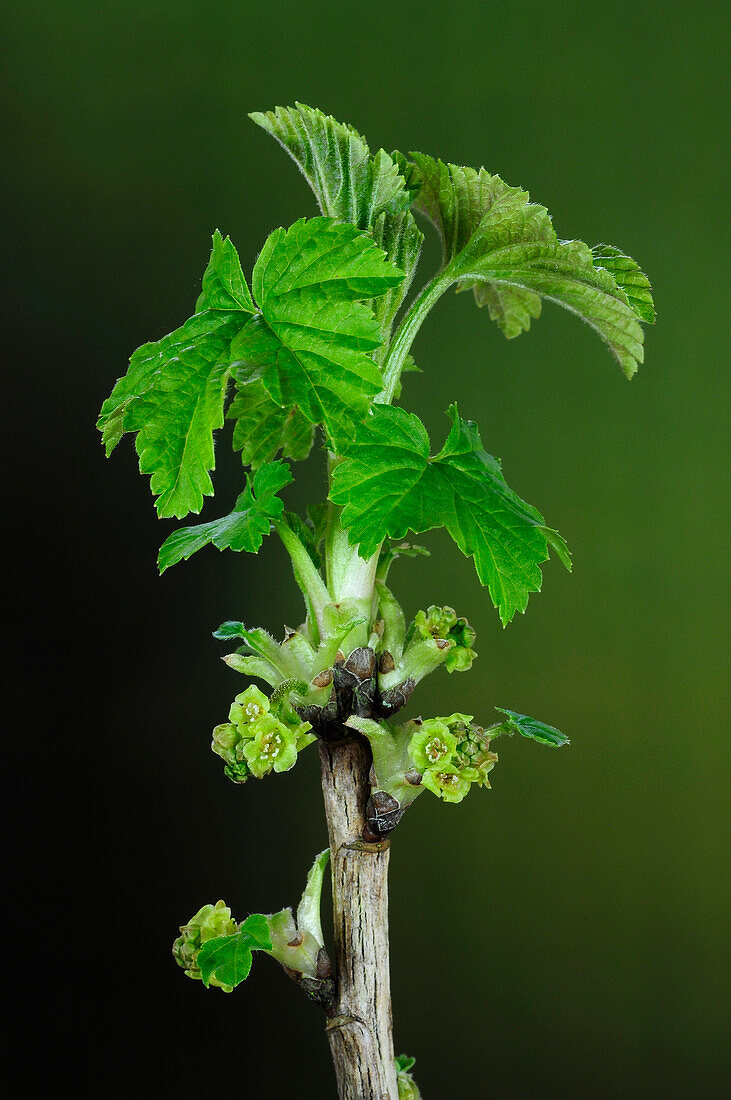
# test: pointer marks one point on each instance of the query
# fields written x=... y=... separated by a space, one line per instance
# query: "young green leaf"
x=505 y=248
x=256 y=927
x=388 y=484
x=309 y=340
x=243 y=529
x=529 y=727
x=311 y=344
x=224 y=285
x=229 y=958
x=174 y=390
x=351 y=184
x=401 y=240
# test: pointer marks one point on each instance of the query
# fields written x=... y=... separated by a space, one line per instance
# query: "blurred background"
x=561 y=935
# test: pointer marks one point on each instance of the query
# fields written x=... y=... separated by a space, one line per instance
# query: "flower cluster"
x=451 y=754
x=256 y=740
x=444 y=624
x=209 y=922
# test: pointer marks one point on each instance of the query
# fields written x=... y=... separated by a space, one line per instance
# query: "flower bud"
x=210 y=921
x=443 y=623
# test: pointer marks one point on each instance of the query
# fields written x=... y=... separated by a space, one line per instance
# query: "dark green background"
x=562 y=934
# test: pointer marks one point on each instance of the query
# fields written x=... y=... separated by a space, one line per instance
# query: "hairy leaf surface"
x=243 y=529
x=351 y=184
x=502 y=246
x=388 y=485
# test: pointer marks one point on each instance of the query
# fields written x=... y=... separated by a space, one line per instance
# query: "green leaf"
x=388 y=485
x=629 y=278
x=263 y=429
x=229 y=631
x=529 y=727
x=173 y=396
x=311 y=344
x=224 y=285
x=301 y=357
x=498 y=243
x=349 y=183
x=229 y=958
x=173 y=393
x=256 y=928
x=243 y=529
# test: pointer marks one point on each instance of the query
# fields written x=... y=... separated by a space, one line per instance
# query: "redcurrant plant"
x=314 y=345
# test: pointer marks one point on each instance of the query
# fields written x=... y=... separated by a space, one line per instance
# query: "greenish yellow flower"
x=248 y=707
x=448 y=782
x=272 y=745
x=210 y=921
x=432 y=744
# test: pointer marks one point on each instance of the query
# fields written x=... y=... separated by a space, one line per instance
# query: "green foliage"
x=309 y=344
x=243 y=529
x=216 y=950
x=529 y=727
x=389 y=484
x=226 y=961
x=308 y=340
x=502 y=246
x=263 y=429
x=353 y=185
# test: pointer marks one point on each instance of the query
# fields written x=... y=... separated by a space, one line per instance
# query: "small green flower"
x=432 y=744
x=248 y=707
x=210 y=921
x=448 y=782
x=272 y=745
x=444 y=623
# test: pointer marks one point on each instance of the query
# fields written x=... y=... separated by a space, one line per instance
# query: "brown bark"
x=360 y=1027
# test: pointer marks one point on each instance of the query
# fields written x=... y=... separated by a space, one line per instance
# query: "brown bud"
x=387 y=663
x=361 y=663
x=323 y=678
